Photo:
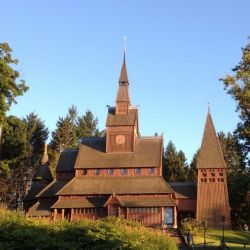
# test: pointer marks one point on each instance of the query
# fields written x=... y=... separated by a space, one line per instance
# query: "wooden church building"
x=121 y=175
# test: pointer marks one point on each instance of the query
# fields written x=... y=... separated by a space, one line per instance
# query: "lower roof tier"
x=116 y=185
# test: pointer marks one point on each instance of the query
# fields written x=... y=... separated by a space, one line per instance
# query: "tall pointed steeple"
x=122 y=98
x=210 y=155
x=212 y=194
x=124 y=75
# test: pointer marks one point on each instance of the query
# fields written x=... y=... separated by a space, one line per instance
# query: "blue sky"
x=70 y=52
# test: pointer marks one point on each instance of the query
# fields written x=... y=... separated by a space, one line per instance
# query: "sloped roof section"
x=147 y=153
x=84 y=202
x=35 y=188
x=124 y=75
x=40 y=209
x=146 y=201
x=122 y=120
x=210 y=155
x=184 y=190
x=67 y=160
x=123 y=94
x=43 y=173
x=50 y=190
x=117 y=185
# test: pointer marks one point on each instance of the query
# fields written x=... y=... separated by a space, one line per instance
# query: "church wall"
x=186 y=205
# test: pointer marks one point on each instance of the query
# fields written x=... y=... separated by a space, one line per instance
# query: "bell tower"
x=122 y=120
x=212 y=193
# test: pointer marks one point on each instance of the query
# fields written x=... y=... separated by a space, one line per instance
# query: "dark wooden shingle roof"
x=210 y=155
x=40 y=209
x=147 y=153
x=36 y=187
x=117 y=185
x=43 y=173
x=122 y=120
x=67 y=160
x=186 y=190
x=50 y=190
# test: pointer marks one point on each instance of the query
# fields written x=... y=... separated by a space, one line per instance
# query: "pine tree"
x=238 y=86
x=175 y=167
x=86 y=126
x=10 y=84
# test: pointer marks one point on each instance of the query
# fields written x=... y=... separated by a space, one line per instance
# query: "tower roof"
x=123 y=92
x=43 y=172
x=124 y=76
x=210 y=155
x=45 y=158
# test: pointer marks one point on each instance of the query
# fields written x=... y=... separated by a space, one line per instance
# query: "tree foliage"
x=23 y=141
x=10 y=84
x=238 y=178
x=238 y=86
x=20 y=232
x=175 y=167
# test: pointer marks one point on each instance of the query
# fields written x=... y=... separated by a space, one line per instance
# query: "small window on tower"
x=222 y=179
x=221 y=174
x=204 y=174
x=213 y=174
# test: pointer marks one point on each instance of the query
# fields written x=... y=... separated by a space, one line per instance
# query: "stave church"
x=121 y=175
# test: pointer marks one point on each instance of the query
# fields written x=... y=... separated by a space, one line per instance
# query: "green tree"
x=86 y=126
x=192 y=169
x=10 y=84
x=233 y=152
x=37 y=134
x=238 y=86
x=14 y=164
x=175 y=165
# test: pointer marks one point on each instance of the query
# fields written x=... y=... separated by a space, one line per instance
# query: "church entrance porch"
x=113 y=210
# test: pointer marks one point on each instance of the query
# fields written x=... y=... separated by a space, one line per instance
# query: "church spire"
x=122 y=98
x=210 y=155
x=124 y=76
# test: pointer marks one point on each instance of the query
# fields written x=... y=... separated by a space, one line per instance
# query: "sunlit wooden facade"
x=121 y=175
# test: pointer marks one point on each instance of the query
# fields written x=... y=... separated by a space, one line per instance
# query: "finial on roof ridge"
x=208 y=108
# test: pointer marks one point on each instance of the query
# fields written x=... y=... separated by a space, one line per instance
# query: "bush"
x=19 y=232
x=195 y=227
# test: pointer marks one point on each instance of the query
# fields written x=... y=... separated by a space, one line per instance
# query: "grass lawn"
x=215 y=235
